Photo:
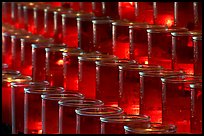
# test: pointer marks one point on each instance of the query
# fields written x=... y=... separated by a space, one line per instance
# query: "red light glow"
x=60 y=62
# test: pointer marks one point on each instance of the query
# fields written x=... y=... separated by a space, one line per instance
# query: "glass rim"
x=13 y=32
x=86 y=102
x=29 y=5
x=140 y=67
x=167 y=30
x=30 y=83
x=89 y=111
x=186 y=33
x=37 y=39
x=10 y=75
x=44 y=45
x=147 y=26
x=62 y=95
x=125 y=23
x=125 y=118
x=181 y=79
x=73 y=51
x=29 y=35
x=94 y=57
x=196 y=85
x=43 y=90
x=197 y=38
x=160 y=73
x=153 y=128
x=115 y=62
x=61 y=48
x=41 y=6
x=103 y=21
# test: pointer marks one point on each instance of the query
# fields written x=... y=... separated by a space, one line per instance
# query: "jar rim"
x=160 y=73
x=184 y=78
x=43 y=90
x=86 y=102
x=30 y=83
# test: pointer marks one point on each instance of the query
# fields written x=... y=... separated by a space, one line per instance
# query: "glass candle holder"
x=126 y=10
x=14 y=15
x=197 y=46
x=107 y=88
x=69 y=28
x=197 y=8
x=7 y=77
x=115 y=124
x=138 y=41
x=75 y=6
x=33 y=107
x=144 y=12
x=120 y=37
x=110 y=9
x=17 y=100
x=20 y=14
x=184 y=17
x=54 y=65
x=87 y=73
x=26 y=52
x=154 y=128
x=102 y=35
x=176 y=101
x=151 y=92
x=157 y=53
x=38 y=60
x=50 y=110
x=85 y=7
x=28 y=10
x=88 y=119
x=65 y=5
x=70 y=68
x=67 y=115
x=97 y=9
x=6 y=11
x=85 y=32
x=196 y=108
x=163 y=13
x=40 y=18
x=182 y=51
x=129 y=86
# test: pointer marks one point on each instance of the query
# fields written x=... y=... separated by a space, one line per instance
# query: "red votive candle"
x=163 y=13
x=110 y=9
x=139 y=43
x=70 y=68
x=115 y=124
x=14 y=14
x=54 y=4
x=88 y=119
x=129 y=86
x=107 y=87
x=17 y=100
x=38 y=60
x=197 y=45
x=144 y=12
x=7 y=77
x=65 y=5
x=182 y=51
x=75 y=6
x=160 y=46
x=33 y=107
x=176 y=101
x=26 y=52
x=102 y=35
x=21 y=21
x=50 y=110
x=153 y=128
x=54 y=65
x=151 y=92
x=197 y=8
x=87 y=72
x=6 y=12
x=67 y=115
x=196 y=108
x=184 y=15
x=97 y=9
x=85 y=7
x=126 y=10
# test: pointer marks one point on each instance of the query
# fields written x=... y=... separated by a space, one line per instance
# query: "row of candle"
x=54 y=58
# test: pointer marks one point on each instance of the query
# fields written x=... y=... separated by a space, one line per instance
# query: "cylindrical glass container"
x=26 y=52
x=54 y=65
x=160 y=46
x=65 y=5
x=70 y=68
x=196 y=108
x=67 y=115
x=20 y=14
x=85 y=7
x=129 y=86
x=97 y=9
x=33 y=107
x=88 y=119
x=197 y=46
x=14 y=15
x=17 y=100
x=176 y=101
x=139 y=43
x=50 y=110
x=87 y=72
x=151 y=92
x=110 y=9
x=126 y=10
x=197 y=8
x=182 y=51
x=75 y=6
x=107 y=87
x=8 y=76
x=102 y=35
x=115 y=124
x=154 y=128
x=6 y=12
x=163 y=13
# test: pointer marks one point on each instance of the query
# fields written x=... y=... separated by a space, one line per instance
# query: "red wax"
x=127 y=10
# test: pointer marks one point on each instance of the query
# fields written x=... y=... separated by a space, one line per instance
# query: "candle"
x=197 y=46
x=14 y=15
x=54 y=65
x=110 y=9
x=50 y=110
x=33 y=107
x=20 y=14
x=126 y=10
x=97 y=8
x=88 y=119
x=129 y=86
x=6 y=11
x=176 y=101
x=197 y=8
